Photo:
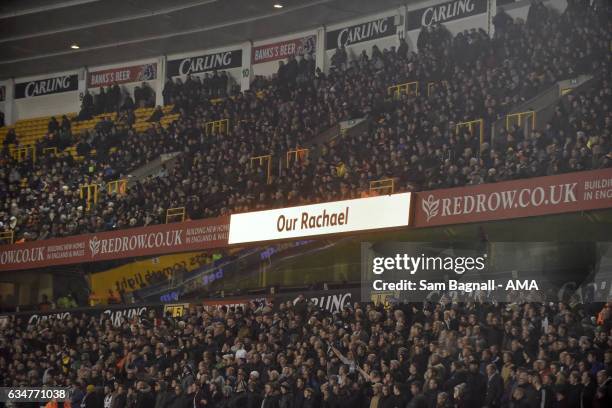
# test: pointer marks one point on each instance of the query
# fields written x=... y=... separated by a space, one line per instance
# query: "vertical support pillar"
x=247 y=68
x=160 y=81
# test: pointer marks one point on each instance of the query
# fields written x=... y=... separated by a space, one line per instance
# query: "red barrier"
x=571 y=192
x=127 y=243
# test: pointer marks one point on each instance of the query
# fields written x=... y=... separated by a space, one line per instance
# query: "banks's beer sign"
x=204 y=63
x=445 y=12
x=47 y=86
x=284 y=49
x=127 y=243
x=336 y=217
x=122 y=75
x=571 y=192
x=370 y=30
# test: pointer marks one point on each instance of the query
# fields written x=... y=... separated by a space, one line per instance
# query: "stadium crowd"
x=427 y=355
x=412 y=138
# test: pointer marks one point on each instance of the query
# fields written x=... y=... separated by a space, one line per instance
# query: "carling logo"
x=430 y=206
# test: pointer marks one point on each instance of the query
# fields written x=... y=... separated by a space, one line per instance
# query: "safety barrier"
x=471 y=125
x=117 y=186
x=520 y=116
x=219 y=126
x=260 y=160
x=6 y=237
x=397 y=90
x=431 y=85
x=23 y=152
x=89 y=192
x=383 y=186
x=50 y=150
x=175 y=213
x=297 y=155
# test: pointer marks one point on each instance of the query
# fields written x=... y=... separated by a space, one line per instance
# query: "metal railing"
x=261 y=160
x=7 y=237
x=383 y=186
x=220 y=126
x=297 y=154
x=21 y=153
x=397 y=90
x=117 y=186
x=472 y=125
x=90 y=193
x=520 y=117
x=174 y=213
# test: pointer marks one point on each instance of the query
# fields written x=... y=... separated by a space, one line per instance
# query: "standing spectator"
x=495 y=387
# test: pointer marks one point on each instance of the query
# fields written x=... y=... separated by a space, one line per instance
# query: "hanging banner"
x=127 y=243
x=140 y=274
x=371 y=30
x=332 y=301
x=122 y=75
x=334 y=217
x=204 y=63
x=47 y=86
x=570 y=192
x=116 y=314
x=284 y=49
x=445 y=12
x=254 y=302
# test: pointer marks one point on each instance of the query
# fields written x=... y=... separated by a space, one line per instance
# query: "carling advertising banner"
x=336 y=217
x=570 y=192
x=444 y=12
x=215 y=304
x=204 y=63
x=284 y=49
x=122 y=75
x=117 y=314
x=370 y=30
x=127 y=243
x=332 y=301
x=47 y=86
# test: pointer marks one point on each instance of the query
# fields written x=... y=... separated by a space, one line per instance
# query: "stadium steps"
x=543 y=104
x=334 y=134
x=153 y=167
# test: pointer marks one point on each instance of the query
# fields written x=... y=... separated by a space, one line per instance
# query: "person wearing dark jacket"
x=271 y=397
x=92 y=398
x=253 y=398
x=418 y=399
x=309 y=398
x=603 y=395
x=179 y=399
x=476 y=385
x=495 y=387
x=120 y=398
x=519 y=399
x=144 y=396
x=162 y=395
x=588 y=391
x=286 y=397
